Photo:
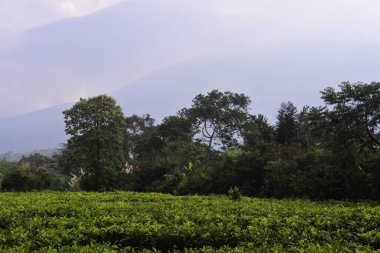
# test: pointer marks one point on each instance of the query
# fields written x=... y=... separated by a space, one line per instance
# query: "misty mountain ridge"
x=155 y=56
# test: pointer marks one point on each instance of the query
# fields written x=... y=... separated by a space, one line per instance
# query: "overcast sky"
x=91 y=49
x=19 y=15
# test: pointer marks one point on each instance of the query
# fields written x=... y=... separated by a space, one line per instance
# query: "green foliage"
x=20 y=179
x=257 y=131
x=17 y=180
x=43 y=171
x=319 y=153
x=133 y=222
x=5 y=166
x=287 y=123
x=240 y=168
x=357 y=107
x=218 y=117
x=174 y=128
x=234 y=193
x=38 y=161
x=140 y=138
x=96 y=126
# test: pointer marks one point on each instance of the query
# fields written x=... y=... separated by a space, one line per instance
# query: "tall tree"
x=257 y=130
x=357 y=108
x=139 y=136
x=287 y=124
x=218 y=117
x=96 y=126
x=174 y=128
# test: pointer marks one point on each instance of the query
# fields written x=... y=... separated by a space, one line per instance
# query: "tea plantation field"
x=145 y=222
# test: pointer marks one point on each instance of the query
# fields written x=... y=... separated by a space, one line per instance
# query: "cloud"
x=98 y=54
x=67 y=7
x=16 y=16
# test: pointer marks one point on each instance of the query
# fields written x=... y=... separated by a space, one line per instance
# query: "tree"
x=218 y=117
x=287 y=124
x=37 y=161
x=357 y=108
x=155 y=153
x=174 y=128
x=96 y=126
x=17 y=180
x=347 y=131
x=257 y=131
x=139 y=137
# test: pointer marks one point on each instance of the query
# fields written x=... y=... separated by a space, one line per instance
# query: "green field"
x=144 y=222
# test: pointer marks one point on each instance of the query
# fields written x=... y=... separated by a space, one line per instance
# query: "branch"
x=373 y=139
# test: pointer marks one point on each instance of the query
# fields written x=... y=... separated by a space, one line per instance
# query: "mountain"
x=107 y=50
x=155 y=56
x=100 y=52
x=33 y=131
x=168 y=90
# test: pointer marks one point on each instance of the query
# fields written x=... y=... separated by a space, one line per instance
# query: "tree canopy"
x=357 y=108
x=327 y=152
x=218 y=117
x=96 y=128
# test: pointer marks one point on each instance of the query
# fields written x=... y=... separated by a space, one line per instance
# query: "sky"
x=55 y=51
x=20 y=15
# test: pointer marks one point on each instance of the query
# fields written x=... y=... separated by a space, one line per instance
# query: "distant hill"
x=33 y=131
x=155 y=56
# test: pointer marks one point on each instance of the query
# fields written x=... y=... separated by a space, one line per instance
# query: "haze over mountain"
x=155 y=56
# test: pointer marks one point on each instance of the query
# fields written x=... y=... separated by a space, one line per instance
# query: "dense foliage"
x=34 y=172
x=134 y=222
x=325 y=152
x=96 y=129
x=328 y=152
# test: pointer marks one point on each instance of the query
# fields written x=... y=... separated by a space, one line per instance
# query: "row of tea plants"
x=151 y=222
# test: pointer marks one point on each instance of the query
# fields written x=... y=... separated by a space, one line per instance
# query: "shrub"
x=17 y=180
x=234 y=193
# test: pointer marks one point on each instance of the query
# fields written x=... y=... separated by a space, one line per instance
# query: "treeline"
x=326 y=152
x=32 y=173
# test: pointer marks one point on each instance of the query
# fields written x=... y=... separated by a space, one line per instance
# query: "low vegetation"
x=152 y=222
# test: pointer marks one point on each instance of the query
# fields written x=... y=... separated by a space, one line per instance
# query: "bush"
x=234 y=193
x=17 y=180
x=26 y=180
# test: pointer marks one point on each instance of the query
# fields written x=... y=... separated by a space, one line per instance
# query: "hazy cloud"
x=19 y=15
x=327 y=41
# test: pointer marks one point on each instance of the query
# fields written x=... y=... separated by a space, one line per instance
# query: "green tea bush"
x=150 y=222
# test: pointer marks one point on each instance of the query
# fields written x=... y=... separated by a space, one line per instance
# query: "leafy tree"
x=141 y=142
x=347 y=129
x=96 y=126
x=257 y=131
x=37 y=161
x=287 y=124
x=357 y=108
x=239 y=168
x=304 y=137
x=174 y=128
x=17 y=180
x=5 y=166
x=137 y=130
x=157 y=154
x=218 y=117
